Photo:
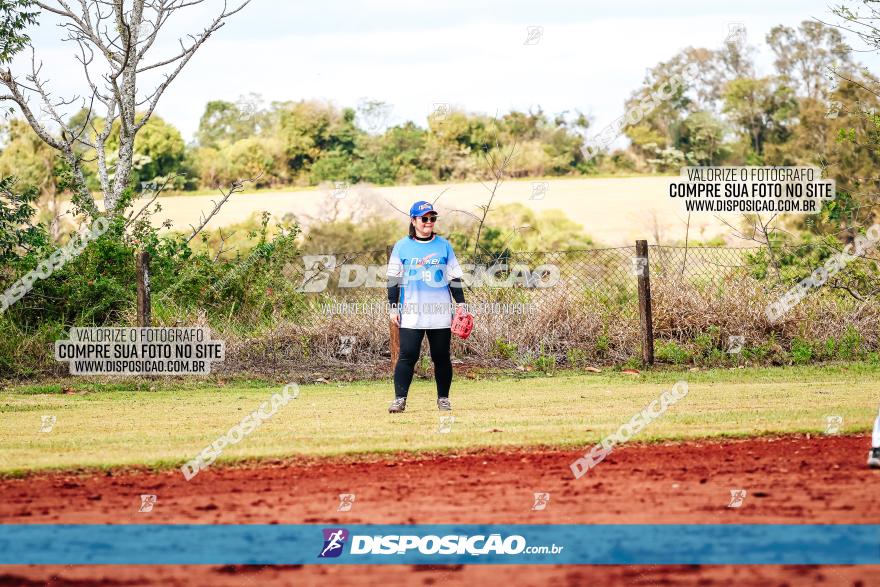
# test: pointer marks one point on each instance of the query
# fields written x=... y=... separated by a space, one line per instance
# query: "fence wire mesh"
x=700 y=297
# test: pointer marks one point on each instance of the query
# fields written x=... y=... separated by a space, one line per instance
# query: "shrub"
x=707 y=343
x=759 y=352
x=850 y=344
x=20 y=237
x=632 y=363
x=603 y=344
x=505 y=350
x=545 y=363
x=670 y=352
x=829 y=349
x=801 y=351
x=576 y=357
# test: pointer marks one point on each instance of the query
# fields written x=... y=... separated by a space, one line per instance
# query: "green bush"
x=759 y=353
x=801 y=351
x=21 y=239
x=542 y=361
x=545 y=363
x=632 y=363
x=708 y=343
x=849 y=347
x=305 y=345
x=504 y=349
x=576 y=357
x=243 y=294
x=603 y=344
x=670 y=352
x=829 y=349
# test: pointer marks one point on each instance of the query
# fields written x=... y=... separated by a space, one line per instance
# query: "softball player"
x=874 y=455
x=422 y=273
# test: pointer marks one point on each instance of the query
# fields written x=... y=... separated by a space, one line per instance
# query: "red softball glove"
x=462 y=323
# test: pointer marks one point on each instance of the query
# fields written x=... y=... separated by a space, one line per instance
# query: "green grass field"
x=113 y=425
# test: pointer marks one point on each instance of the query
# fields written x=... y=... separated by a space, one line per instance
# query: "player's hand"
x=395 y=319
x=464 y=308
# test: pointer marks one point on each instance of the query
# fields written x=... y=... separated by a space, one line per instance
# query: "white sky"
x=413 y=54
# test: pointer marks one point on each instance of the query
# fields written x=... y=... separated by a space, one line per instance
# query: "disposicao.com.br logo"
x=334 y=541
x=452 y=544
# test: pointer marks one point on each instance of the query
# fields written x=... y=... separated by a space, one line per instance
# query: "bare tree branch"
x=220 y=250
x=498 y=172
x=237 y=186
x=759 y=227
x=123 y=34
x=133 y=217
x=855 y=294
x=387 y=201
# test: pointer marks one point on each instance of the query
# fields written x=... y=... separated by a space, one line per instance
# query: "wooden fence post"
x=394 y=331
x=642 y=267
x=395 y=345
x=143 y=289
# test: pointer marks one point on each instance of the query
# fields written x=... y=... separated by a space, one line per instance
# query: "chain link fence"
x=702 y=298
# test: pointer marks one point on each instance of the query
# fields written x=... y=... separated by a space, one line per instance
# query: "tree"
x=763 y=109
x=120 y=37
x=15 y=17
x=19 y=235
x=308 y=129
x=703 y=137
x=347 y=235
x=732 y=61
x=517 y=229
x=700 y=141
x=373 y=115
x=223 y=122
x=660 y=105
x=253 y=156
x=33 y=163
x=161 y=150
x=804 y=57
x=856 y=155
x=394 y=157
x=220 y=124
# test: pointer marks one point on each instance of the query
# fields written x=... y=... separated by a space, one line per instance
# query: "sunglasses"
x=426 y=219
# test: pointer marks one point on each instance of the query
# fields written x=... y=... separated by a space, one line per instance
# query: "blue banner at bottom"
x=636 y=544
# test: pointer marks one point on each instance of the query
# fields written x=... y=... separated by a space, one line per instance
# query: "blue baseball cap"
x=421 y=207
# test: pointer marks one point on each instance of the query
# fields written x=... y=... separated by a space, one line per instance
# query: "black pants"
x=439 y=340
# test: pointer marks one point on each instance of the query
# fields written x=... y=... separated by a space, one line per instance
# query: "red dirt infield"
x=791 y=479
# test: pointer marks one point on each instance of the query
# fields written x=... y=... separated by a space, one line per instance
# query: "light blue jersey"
x=425 y=269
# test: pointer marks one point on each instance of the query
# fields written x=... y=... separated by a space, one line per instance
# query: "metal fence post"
x=644 y=277
x=394 y=331
x=143 y=289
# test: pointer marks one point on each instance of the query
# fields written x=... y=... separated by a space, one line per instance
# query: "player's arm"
x=394 y=275
x=393 y=298
x=454 y=273
x=456 y=286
